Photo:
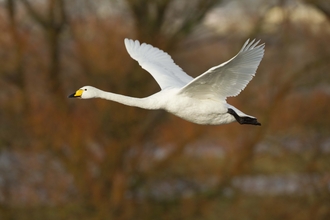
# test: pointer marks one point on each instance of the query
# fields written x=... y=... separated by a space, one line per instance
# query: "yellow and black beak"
x=77 y=94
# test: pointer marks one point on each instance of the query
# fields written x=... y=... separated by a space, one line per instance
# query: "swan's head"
x=86 y=92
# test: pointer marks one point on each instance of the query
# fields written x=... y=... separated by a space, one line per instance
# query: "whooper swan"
x=200 y=100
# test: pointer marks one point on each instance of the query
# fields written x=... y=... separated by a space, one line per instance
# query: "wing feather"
x=229 y=78
x=158 y=63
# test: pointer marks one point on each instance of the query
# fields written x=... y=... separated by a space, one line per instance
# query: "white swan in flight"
x=200 y=100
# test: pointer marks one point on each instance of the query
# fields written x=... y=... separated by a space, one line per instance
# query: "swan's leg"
x=243 y=119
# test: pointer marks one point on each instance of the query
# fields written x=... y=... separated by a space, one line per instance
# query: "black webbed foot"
x=243 y=120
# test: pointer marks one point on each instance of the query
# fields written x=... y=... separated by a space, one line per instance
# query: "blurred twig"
x=52 y=24
x=321 y=5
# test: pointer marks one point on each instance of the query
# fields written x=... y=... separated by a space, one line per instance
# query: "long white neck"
x=146 y=103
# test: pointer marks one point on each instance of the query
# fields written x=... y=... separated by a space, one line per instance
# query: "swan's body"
x=201 y=100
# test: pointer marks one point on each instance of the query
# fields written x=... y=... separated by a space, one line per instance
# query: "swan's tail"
x=246 y=119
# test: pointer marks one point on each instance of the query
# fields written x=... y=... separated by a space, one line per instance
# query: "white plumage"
x=201 y=100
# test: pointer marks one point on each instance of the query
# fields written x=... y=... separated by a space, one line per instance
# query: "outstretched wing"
x=158 y=63
x=229 y=78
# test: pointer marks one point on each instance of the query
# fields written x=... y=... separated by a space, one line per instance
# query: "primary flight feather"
x=201 y=100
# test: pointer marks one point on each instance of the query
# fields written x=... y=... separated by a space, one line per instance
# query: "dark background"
x=93 y=159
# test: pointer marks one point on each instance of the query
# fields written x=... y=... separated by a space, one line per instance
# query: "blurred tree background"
x=95 y=159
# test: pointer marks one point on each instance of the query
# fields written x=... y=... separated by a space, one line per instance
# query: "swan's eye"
x=85 y=89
